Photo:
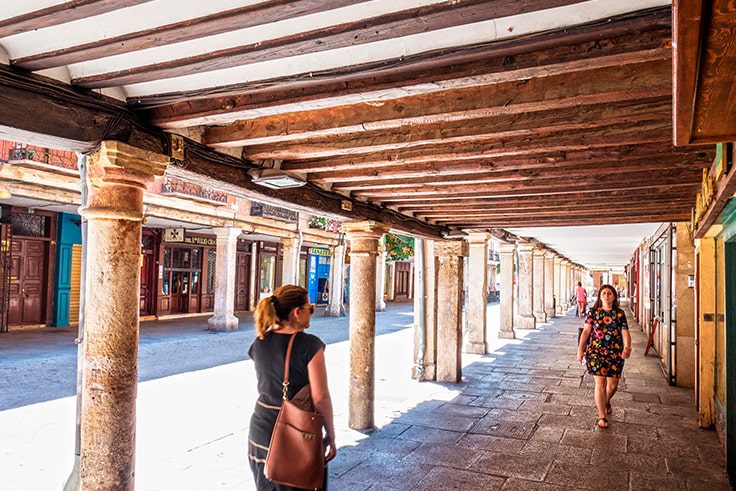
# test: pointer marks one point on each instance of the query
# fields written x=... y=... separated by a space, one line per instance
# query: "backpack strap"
x=285 y=383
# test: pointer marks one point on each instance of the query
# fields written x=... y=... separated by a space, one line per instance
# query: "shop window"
x=267 y=274
x=195 y=282
x=211 y=257
x=196 y=259
x=181 y=258
x=167 y=257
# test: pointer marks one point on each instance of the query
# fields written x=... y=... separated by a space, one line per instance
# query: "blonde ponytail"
x=277 y=307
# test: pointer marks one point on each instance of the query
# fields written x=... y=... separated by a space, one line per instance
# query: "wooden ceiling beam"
x=543 y=93
x=545 y=204
x=559 y=212
x=649 y=125
x=653 y=190
x=362 y=31
x=570 y=222
x=580 y=141
x=479 y=153
x=420 y=167
x=557 y=171
x=61 y=13
x=239 y=18
x=529 y=123
x=550 y=186
x=631 y=37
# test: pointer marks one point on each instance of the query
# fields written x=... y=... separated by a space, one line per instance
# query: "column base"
x=526 y=322
x=337 y=311
x=476 y=348
x=222 y=323
x=506 y=335
x=550 y=312
x=540 y=316
x=380 y=306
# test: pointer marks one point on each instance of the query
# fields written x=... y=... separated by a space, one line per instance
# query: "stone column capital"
x=525 y=247
x=478 y=238
x=290 y=241
x=117 y=174
x=506 y=248
x=227 y=233
x=565 y=262
x=539 y=251
x=368 y=229
x=451 y=248
x=557 y=259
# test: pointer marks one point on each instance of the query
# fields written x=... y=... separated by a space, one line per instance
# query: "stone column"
x=225 y=268
x=336 y=307
x=449 y=254
x=425 y=311
x=290 y=271
x=381 y=276
x=538 y=276
x=549 y=284
x=564 y=285
x=364 y=237
x=117 y=175
x=526 y=319
x=506 y=255
x=477 y=301
x=558 y=285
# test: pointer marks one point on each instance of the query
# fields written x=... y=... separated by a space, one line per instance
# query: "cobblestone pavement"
x=524 y=419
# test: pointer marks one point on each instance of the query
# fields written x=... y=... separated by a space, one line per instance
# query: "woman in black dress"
x=286 y=312
x=610 y=344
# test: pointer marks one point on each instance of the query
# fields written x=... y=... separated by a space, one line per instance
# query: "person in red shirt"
x=582 y=298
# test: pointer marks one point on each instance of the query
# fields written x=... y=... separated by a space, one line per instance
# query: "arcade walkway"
x=524 y=419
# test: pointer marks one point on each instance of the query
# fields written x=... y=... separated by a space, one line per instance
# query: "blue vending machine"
x=319 y=275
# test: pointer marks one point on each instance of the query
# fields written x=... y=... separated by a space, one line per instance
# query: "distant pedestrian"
x=582 y=298
x=287 y=312
x=610 y=344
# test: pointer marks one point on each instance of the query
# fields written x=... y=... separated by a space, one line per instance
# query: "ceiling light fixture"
x=276 y=179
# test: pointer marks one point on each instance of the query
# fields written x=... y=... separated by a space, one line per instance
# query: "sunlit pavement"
x=193 y=425
x=523 y=418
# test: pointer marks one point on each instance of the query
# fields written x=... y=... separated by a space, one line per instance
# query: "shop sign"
x=270 y=211
x=183 y=189
x=319 y=252
x=201 y=241
x=174 y=235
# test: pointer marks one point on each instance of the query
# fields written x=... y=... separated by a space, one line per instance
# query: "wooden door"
x=28 y=271
x=401 y=283
x=147 y=285
x=242 y=280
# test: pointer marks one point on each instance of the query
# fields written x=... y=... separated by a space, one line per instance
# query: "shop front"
x=28 y=277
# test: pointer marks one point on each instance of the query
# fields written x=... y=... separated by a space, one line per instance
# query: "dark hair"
x=598 y=303
x=580 y=284
x=277 y=307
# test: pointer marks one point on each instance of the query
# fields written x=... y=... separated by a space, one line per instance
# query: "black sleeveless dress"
x=269 y=355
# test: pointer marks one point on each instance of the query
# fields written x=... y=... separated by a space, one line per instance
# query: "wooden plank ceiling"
x=463 y=114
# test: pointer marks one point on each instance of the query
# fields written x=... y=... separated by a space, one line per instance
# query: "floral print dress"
x=606 y=343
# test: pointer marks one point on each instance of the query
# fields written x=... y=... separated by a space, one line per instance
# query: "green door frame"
x=730 y=260
x=728 y=219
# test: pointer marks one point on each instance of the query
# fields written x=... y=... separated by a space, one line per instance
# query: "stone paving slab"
x=524 y=418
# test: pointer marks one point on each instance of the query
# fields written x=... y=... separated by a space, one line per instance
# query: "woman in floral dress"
x=609 y=346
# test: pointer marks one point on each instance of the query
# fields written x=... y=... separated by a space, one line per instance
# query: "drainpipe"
x=73 y=482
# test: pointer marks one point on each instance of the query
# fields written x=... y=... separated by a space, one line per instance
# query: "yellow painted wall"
x=685 y=314
x=706 y=295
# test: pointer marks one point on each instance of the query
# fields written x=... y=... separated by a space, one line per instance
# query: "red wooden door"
x=242 y=280
x=147 y=285
x=28 y=270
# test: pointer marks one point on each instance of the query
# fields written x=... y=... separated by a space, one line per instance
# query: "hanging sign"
x=274 y=212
